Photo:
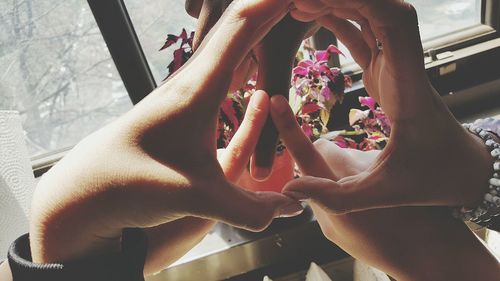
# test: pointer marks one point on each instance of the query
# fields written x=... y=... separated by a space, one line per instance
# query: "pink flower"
x=368 y=101
x=341 y=142
x=306 y=128
x=332 y=49
x=302 y=71
x=310 y=108
x=325 y=55
x=322 y=55
x=326 y=93
x=305 y=63
x=344 y=142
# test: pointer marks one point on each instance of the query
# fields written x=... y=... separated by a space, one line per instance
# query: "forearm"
x=5 y=273
x=450 y=252
x=169 y=242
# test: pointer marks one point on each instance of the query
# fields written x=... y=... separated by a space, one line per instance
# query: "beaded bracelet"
x=490 y=207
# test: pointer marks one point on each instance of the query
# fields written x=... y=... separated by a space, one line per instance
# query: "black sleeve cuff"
x=125 y=266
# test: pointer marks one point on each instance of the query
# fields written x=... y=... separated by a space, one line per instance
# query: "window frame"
x=118 y=32
x=488 y=29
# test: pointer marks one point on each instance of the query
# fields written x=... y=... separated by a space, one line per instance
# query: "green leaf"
x=324 y=115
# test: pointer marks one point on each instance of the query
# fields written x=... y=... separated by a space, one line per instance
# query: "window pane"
x=440 y=17
x=56 y=70
x=153 y=20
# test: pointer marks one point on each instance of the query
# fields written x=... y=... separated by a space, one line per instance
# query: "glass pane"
x=153 y=20
x=440 y=17
x=56 y=71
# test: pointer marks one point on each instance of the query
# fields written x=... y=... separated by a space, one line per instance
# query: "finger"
x=208 y=15
x=354 y=15
x=310 y=6
x=300 y=146
x=241 y=27
x=351 y=36
x=245 y=209
x=193 y=7
x=369 y=37
x=370 y=189
x=321 y=191
x=393 y=22
x=308 y=17
x=348 y=14
x=237 y=154
x=377 y=12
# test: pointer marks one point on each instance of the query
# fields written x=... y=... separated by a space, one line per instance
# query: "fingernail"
x=291 y=210
x=299 y=196
x=260 y=173
x=254 y=99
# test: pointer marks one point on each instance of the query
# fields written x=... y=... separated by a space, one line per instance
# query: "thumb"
x=322 y=191
x=364 y=191
x=246 y=209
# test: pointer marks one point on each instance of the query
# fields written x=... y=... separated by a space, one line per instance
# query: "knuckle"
x=322 y=145
x=289 y=124
x=193 y=7
x=240 y=11
x=253 y=114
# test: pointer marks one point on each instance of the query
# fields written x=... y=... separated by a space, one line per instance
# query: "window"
x=153 y=20
x=438 y=18
x=57 y=72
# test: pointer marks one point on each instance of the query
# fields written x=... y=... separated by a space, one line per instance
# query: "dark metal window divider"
x=123 y=44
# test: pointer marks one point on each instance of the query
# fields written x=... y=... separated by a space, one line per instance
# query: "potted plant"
x=315 y=89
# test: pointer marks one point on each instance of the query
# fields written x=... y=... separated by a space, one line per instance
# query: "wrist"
x=481 y=171
x=5 y=273
x=66 y=234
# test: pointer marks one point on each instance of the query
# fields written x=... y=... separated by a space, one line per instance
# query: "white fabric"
x=16 y=180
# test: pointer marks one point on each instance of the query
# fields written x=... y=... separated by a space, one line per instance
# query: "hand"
x=170 y=241
x=409 y=243
x=273 y=56
x=430 y=159
x=157 y=163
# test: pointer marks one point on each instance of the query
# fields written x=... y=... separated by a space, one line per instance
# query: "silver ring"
x=380 y=47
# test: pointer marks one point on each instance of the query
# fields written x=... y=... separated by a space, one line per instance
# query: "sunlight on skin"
x=5 y=274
